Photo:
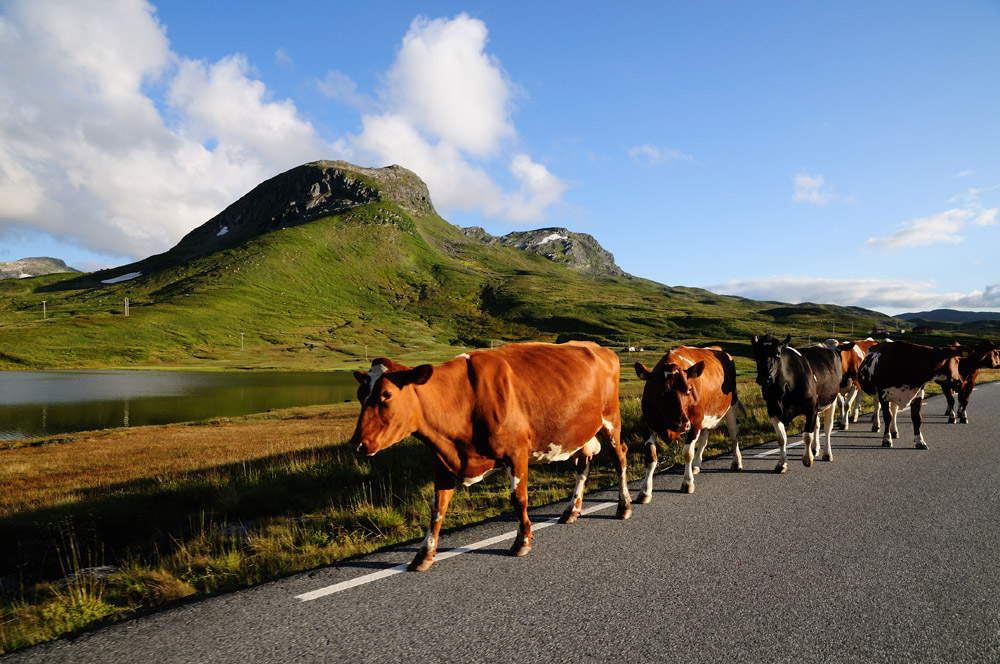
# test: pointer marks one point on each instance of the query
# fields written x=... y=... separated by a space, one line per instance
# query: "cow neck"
x=446 y=411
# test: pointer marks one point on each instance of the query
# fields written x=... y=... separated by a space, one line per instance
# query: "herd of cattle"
x=506 y=408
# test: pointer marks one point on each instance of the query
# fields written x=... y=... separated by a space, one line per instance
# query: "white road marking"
x=451 y=553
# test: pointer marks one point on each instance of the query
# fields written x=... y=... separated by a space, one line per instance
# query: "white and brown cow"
x=689 y=390
x=798 y=381
x=984 y=355
x=895 y=374
x=498 y=409
x=852 y=354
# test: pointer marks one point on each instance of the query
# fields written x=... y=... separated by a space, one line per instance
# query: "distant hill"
x=951 y=316
x=33 y=267
x=330 y=263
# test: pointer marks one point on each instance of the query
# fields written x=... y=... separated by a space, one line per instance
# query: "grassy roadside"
x=143 y=517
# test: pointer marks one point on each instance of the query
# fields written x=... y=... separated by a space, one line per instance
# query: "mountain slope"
x=951 y=316
x=328 y=263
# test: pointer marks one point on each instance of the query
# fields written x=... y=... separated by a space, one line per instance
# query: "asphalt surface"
x=883 y=555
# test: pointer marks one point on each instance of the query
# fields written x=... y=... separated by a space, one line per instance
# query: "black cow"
x=798 y=381
x=986 y=355
x=895 y=374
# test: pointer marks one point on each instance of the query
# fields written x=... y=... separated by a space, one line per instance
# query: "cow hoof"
x=827 y=457
x=736 y=467
x=963 y=420
x=781 y=468
x=520 y=549
x=695 y=470
x=569 y=516
x=807 y=461
x=624 y=511
x=644 y=498
x=874 y=429
x=420 y=564
x=886 y=443
x=687 y=487
x=921 y=445
x=951 y=420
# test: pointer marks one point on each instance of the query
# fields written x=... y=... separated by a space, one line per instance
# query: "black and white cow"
x=798 y=381
x=895 y=374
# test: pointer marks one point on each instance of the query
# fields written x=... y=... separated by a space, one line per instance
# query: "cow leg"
x=884 y=406
x=779 y=431
x=828 y=454
x=915 y=416
x=698 y=439
x=848 y=404
x=582 y=463
x=895 y=419
x=519 y=499
x=858 y=398
x=809 y=433
x=963 y=399
x=647 y=485
x=876 y=425
x=734 y=432
x=610 y=434
x=950 y=398
x=444 y=487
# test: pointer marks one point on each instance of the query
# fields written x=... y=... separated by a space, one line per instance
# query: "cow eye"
x=386 y=395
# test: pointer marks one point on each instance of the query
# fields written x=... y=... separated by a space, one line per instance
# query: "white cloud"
x=812 y=189
x=889 y=295
x=942 y=228
x=97 y=163
x=964 y=174
x=649 y=155
x=446 y=110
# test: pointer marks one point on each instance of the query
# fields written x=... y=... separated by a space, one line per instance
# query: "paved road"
x=885 y=555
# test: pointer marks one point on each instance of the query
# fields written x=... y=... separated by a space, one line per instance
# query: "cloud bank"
x=887 y=295
x=122 y=146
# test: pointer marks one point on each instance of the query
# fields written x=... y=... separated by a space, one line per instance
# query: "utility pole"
x=44 y=313
x=126 y=307
x=241 y=341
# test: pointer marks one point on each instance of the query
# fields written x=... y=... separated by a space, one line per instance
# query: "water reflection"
x=40 y=403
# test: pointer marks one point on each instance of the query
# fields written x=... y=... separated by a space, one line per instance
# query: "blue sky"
x=795 y=151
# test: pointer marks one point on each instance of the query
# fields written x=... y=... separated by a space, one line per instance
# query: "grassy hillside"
x=384 y=275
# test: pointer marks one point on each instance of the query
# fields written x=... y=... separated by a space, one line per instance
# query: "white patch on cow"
x=857 y=351
x=469 y=481
x=222 y=231
x=681 y=357
x=465 y=355
x=554 y=453
x=607 y=425
x=376 y=372
x=709 y=422
x=794 y=350
x=902 y=395
x=869 y=369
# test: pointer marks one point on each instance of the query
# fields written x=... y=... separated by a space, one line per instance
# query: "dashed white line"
x=444 y=555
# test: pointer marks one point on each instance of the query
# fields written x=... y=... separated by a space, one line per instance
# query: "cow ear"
x=695 y=370
x=641 y=371
x=787 y=340
x=417 y=376
x=847 y=345
x=360 y=376
x=754 y=340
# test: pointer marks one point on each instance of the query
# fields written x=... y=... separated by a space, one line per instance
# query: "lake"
x=44 y=403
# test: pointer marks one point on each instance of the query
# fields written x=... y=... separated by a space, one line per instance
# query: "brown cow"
x=852 y=354
x=897 y=372
x=985 y=354
x=498 y=409
x=690 y=389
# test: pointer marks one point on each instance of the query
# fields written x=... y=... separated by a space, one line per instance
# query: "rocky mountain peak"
x=33 y=267
x=579 y=251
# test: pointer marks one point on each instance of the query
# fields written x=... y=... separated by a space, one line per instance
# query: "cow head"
x=390 y=410
x=767 y=353
x=948 y=373
x=667 y=397
x=990 y=353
